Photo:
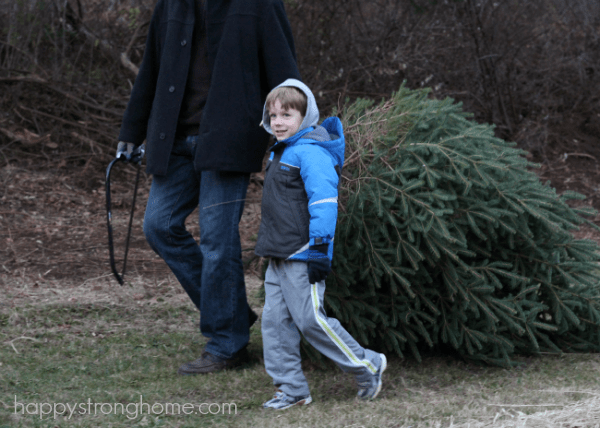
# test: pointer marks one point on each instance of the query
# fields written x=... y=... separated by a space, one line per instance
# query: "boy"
x=299 y=212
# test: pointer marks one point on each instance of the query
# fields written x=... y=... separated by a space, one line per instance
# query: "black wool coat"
x=250 y=51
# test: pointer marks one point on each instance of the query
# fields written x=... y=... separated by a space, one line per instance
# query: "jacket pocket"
x=302 y=219
x=297 y=200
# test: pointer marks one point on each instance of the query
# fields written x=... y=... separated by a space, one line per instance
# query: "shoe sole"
x=383 y=367
x=241 y=358
x=197 y=372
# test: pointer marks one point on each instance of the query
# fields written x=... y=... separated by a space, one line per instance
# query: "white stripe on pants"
x=293 y=304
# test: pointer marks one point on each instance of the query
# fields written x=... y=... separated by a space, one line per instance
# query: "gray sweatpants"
x=293 y=304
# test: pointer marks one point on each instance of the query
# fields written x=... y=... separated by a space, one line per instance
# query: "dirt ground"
x=53 y=227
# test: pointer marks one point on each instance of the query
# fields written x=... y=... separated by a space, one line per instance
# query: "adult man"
x=197 y=101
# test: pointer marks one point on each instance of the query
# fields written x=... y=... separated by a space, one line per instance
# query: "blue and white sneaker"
x=368 y=390
x=282 y=401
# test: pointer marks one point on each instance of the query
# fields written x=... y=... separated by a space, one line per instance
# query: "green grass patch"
x=115 y=366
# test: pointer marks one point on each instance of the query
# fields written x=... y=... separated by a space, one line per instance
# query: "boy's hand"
x=318 y=268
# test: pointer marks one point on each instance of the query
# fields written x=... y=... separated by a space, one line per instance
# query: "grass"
x=100 y=344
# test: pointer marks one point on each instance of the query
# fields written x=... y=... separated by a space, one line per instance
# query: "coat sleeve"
x=135 y=119
x=277 y=45
x=317 y=169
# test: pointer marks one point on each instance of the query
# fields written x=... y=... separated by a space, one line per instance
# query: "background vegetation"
x=531 y=68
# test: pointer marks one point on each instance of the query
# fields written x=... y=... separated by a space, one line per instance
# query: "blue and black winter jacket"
x=300 y=193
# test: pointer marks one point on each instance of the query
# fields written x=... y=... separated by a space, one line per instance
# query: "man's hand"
x=318 y=265
x=129 y=152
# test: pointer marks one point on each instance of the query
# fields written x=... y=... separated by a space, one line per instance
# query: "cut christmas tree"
x=446 y=238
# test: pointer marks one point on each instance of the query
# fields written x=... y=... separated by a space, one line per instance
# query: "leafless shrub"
x=63 y=76
x=531 y=68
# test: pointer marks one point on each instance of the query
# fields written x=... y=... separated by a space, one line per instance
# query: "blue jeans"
x=212 y=272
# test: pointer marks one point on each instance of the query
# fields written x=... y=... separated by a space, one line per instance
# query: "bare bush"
x=64 y=78
x=531 y=68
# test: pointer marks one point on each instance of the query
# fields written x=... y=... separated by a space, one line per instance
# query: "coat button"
x=183 y=42
x=172 y=89
x=162 y=136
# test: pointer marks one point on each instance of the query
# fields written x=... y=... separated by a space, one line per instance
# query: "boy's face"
x=284 y=123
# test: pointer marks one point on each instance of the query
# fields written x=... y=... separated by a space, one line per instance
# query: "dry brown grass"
x=584 y=413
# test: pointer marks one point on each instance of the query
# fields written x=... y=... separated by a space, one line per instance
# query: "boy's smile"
x=284 y=123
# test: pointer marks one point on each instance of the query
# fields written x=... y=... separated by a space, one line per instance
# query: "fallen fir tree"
x=445 y=237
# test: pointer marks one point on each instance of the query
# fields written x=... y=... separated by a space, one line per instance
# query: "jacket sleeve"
x=317 y=169
x=277 y=45
x=135 y=119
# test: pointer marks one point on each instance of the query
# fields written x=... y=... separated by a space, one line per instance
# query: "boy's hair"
x=289 y=97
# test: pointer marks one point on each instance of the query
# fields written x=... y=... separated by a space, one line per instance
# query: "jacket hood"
x=312 y=111
x=329 y=135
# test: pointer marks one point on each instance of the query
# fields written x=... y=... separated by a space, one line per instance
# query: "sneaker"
x=282 y=401
x=207 y=363
x=368 y=390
